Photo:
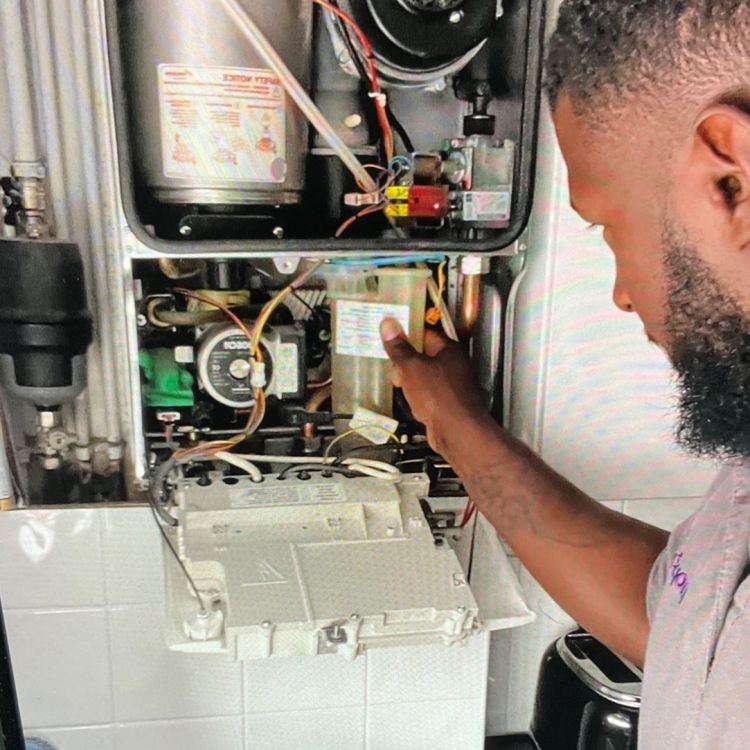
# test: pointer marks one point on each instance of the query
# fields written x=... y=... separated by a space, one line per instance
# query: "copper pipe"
x=468 y=313
x=319 y=398
x=181 y=268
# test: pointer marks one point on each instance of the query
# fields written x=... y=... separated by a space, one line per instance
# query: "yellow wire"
x=441 y=277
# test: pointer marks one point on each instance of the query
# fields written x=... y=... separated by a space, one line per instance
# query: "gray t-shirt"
x=696 y=687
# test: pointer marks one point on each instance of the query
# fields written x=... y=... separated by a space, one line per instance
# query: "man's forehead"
x=604 y=159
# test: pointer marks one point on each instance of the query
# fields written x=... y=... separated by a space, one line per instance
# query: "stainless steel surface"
x=200 y=35
x=487 y=348
x=627 y=695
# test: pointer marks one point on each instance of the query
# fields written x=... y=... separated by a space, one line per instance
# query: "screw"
x=354 y=617
x=265 y=624
x=185 y=230
x=456 y=17
x=278 y=233
x=354 y=120
x=336 y=635
x=141 y=321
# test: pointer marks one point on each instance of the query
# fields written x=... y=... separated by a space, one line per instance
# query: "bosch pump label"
x=222 y=123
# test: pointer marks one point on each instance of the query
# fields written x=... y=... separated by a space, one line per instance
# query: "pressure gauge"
x=224 y=366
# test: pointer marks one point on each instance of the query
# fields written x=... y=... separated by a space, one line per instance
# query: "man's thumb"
x=394 y=340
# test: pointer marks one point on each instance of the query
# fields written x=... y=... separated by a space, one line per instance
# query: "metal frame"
x=501 y=244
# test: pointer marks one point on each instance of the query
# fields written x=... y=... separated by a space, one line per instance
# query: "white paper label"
x=373 y=426
x=224 y=124
x=486 y=206
x=358 y=327
x=287 y=368
x=328 y=492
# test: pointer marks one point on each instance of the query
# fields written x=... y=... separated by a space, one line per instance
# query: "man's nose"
x=621 y=298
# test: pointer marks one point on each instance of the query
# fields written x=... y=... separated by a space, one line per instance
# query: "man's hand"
x=438 y=384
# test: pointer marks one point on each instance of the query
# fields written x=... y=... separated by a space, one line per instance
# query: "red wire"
x=469 y=512
x=236 y=320
x=377 y=95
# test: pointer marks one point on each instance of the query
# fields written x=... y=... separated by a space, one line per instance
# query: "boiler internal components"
x=226 y=369
x=417 y=42
x=211 y=123
x=283 y=124
x=481 y=171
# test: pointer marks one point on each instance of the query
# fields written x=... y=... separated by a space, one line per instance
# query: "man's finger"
x=395 y=343
x=435 y=342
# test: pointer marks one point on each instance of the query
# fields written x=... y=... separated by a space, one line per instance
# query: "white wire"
x=445 y=316
x=241 y=463
x=369 y=467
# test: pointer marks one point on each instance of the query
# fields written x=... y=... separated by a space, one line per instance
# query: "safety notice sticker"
x=222 y=123
x=358 y=327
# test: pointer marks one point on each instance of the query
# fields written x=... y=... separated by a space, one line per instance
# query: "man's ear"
x=721 y=153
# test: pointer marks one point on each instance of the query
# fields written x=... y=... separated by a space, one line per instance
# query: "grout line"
x=102 y=520
x=32 y=730
x=366 y=712
x=243 y=680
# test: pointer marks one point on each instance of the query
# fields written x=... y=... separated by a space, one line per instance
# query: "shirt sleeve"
x=657 y=580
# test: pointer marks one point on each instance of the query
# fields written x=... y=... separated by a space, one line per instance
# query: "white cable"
x=445 y=316
x=367 y=466
x=240 y=462
x=295 y=90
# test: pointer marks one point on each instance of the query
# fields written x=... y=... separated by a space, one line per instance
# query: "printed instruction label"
x=287 y=368
x=222 y=123
x=486 y=206
x=373 y=426
x=358 y=327
x=279 y=494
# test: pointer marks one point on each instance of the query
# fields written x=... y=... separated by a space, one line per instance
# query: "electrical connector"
x=362 y=199
x=258 y=374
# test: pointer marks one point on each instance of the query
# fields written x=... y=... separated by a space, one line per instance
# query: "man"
x=651 y=103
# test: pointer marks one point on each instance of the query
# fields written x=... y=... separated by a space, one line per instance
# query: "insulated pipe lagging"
x=298 y=94
x=20 y=104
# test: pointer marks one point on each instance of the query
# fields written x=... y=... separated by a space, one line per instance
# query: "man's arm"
x=593 y=561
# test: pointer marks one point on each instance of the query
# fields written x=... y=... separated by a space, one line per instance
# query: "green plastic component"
x=168 y=383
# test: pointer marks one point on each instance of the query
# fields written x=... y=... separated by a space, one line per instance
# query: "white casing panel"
x=306 y=567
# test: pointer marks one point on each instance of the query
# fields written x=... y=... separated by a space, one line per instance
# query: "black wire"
x=356 y=58
x=400 y=129
x=312 y=310
x=163 y=518
x=359 y=448
x=353 y=52
x=172 y=549
x=156 y=490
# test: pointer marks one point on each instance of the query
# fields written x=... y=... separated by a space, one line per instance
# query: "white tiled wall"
x=82 y=591
x=593 y=398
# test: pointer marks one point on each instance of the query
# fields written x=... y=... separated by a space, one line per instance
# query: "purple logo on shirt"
x=679 y=576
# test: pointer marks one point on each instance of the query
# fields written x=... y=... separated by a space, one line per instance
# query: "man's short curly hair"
x=606 y=52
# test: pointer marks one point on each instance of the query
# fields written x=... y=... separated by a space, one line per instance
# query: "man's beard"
x=709 y=345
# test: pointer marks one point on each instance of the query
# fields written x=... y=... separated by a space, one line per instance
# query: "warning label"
x=222 y=123
x=358 y=327
x=314 y=493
